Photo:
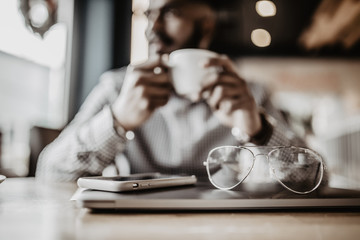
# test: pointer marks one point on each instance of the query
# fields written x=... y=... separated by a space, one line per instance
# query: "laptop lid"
x=203 y=196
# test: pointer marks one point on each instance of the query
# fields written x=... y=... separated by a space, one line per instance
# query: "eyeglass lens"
x=229 y=166
x=298 y=169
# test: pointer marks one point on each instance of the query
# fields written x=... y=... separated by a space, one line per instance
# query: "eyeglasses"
x=299 y=170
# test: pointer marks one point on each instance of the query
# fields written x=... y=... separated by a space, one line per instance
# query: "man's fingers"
x=223 y=79
x=222 y=92
x=215 y=97
x=223 y=62
x=154 y=91
x=158 y=102
x=155 y=65
x=150 y=78
x=230 y=105
x=147 y=102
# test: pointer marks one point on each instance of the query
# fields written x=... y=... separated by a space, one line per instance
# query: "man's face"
x=174 y=24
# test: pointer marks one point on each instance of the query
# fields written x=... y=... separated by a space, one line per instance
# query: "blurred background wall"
x=307 y=52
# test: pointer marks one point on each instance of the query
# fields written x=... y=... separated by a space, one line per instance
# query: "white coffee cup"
x=188 y=75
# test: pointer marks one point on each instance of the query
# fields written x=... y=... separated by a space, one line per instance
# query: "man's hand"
x=146 y=87
x=230 y=98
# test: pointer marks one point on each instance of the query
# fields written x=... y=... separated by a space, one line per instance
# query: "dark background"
x=237 y=20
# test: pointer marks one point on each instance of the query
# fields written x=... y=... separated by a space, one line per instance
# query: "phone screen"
x=141 y=177
x=134 y=182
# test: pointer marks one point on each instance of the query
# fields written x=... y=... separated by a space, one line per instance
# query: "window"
x=32 y=80
x=33 y=87
x=139 y=44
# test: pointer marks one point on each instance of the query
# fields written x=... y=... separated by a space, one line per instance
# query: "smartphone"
x=135 y=182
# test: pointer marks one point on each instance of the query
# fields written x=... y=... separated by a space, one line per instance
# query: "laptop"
x=204 y=197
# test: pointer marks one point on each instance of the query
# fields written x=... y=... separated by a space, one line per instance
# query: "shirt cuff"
x=101 y=135
x=264 y=135
x=260 y=138
x=283 y=136
x=126 y=135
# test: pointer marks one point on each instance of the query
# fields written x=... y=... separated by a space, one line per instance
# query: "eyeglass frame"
x=323 y=168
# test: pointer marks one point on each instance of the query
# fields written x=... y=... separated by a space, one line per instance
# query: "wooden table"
x=33 y=210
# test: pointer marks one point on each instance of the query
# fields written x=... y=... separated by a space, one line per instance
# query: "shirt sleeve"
x=89 y=143
x=282 y=135
x=280 y=132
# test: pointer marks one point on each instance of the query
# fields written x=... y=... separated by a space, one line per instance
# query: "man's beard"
x=192 y=42
x=195 y=38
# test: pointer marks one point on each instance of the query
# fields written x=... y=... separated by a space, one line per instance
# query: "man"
x=171 y=134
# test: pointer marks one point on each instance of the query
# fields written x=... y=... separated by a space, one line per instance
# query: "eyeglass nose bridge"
x=261 y=154
x=266 y=156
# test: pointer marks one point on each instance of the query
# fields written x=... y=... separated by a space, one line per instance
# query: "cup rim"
x=192 y=50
